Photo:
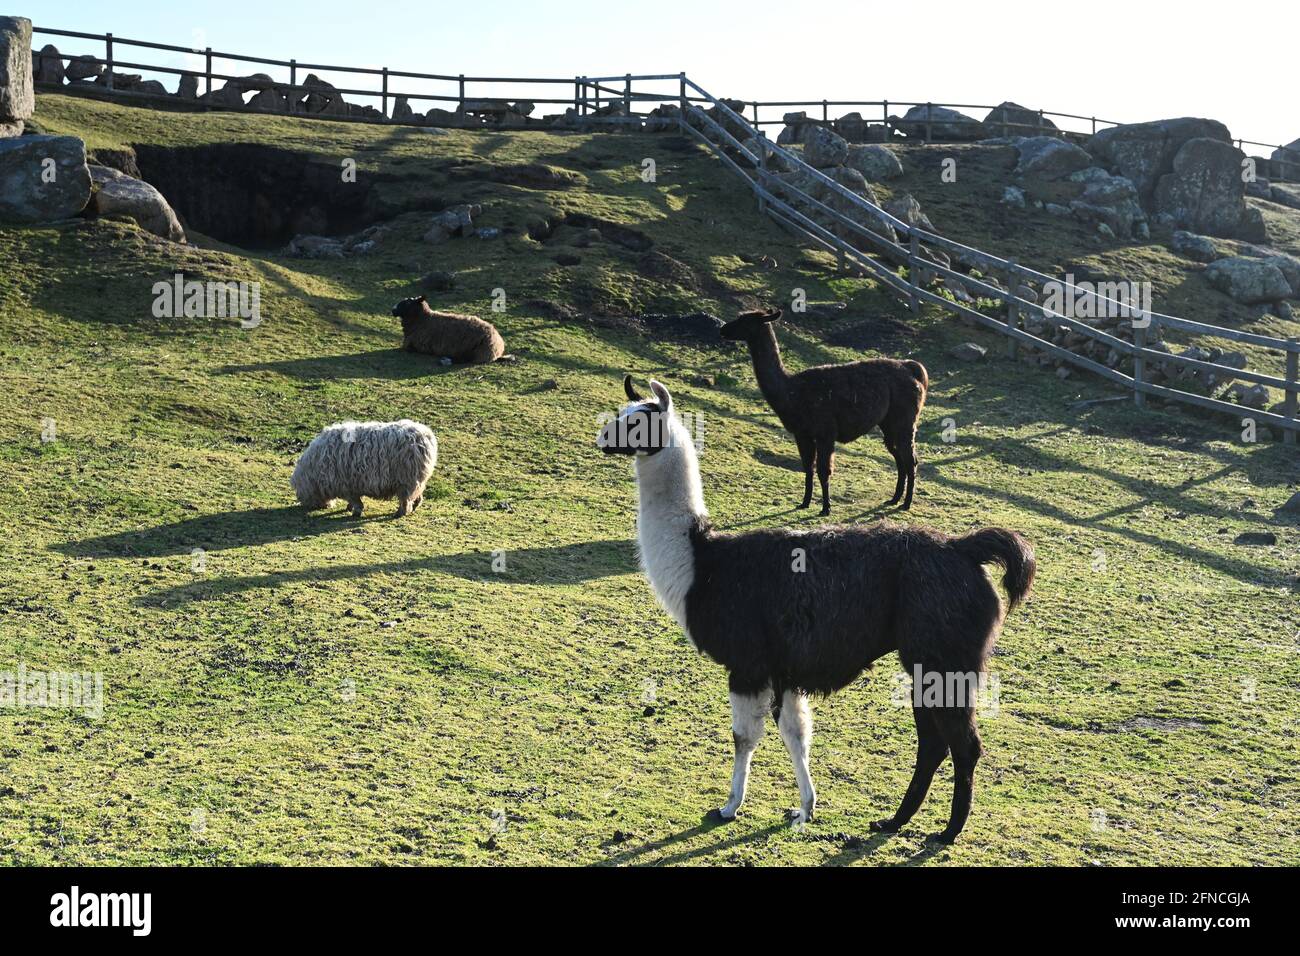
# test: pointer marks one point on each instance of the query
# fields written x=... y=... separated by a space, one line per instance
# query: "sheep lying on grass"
x=375 y=459
x=461 y=338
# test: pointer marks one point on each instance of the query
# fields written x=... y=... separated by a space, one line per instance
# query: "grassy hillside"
x=325 y=690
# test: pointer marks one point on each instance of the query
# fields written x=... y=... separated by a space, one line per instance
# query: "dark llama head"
x=748 y=323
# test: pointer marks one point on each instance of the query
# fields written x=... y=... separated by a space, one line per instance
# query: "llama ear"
x=661 y=394
x=773 y=315
x=631 y=392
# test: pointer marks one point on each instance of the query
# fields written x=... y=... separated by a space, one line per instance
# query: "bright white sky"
x=1123 y=61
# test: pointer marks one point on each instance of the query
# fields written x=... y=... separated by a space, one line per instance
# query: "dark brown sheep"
x=831 y=403
x=461 y=338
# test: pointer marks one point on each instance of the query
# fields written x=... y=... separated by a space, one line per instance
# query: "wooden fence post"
x=207 y=67
x=108 y=57
x=1013 y=309
x=826 y=112
x=293 y=82
x=383 y=96
x=929 y=122
x=884 y=109
x=684 y=104
x=762 y=166
x=1293 y=377
x=627 y=94
x=1139 y=364
x=461 y=93
x=913 y=276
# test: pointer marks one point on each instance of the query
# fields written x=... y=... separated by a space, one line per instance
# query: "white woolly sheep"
x=375 y=459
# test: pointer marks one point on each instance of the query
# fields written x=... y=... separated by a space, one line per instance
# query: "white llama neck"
x=670 y=501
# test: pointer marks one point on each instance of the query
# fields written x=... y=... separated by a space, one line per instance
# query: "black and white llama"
x=790 y=613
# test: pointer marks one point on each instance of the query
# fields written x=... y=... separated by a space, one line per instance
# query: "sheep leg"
x=930 y=753
x=403 y=505
x=807 y=455
x=795 y=723
x=747 y=714
x=355 y=507
x=825 y=465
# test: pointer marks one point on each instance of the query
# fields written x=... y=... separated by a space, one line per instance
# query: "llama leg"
x=911 y=470
x=930 y=751
x=355 y=506
x=796 y=730
x=747 y=714
x=957 y=725
x=807 y=455
x=825 y=465
x=892 y=447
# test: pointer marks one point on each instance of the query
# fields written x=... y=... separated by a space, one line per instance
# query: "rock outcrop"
x=943 y=124
x=1186 y=172
x=118 y=195
x=17 y=98
x=1049 y=158
x=1249 y=280
x=1012 y=119
x=42 y=178
x=47 y=65
x=876 y=163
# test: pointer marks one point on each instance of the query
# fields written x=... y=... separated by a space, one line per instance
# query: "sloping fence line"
x=795 y=209
x=781 y=199
x=590 y=95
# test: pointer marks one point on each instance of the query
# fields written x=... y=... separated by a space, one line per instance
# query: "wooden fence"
x=795 y=209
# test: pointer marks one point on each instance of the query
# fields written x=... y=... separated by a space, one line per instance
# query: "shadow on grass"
x=708 y=825
x=558 y=565
x=217 y=532
x=388 y=363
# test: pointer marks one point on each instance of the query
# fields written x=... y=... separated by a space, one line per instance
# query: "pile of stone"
x=1108 y=203
x=336 y=247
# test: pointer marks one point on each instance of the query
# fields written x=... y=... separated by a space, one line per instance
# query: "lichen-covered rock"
x=943 y=124
x=1049 y=158
x=17 y=98
x=42 y=178
x=1194 y=247
x=1204 y=191
x=823 y=148
x=877 y=163
x=1248 y=280
x=1143 y=152
x=47 y=65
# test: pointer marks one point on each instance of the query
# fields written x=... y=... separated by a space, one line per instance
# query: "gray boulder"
x=968 y=352
x=1248 y=280
x=1204 y=191
x=402 y=111
x=877 y=163
x=47 y=65
x=1049 y=158
x=119 y=196
x=17 y=98
x=1143 y=152
x=1107 y=202
x=83 y=67
x=25 y=193
x=852 y=127
x=824 y=147
x=321 y=98
x=1012 y=119
x=452 y=221
x=906 y=208
x=188 y=87
x=1194 y=247
x=943 y=123
x=1286 y=161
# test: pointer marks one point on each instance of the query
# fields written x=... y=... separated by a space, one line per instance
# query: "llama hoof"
x=798 y=816
x=716 y=815
x=825 y=511
x=943 y=839
x=886 y=825
x=806 y=504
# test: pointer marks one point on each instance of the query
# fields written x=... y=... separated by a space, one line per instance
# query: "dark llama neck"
x=771 y=374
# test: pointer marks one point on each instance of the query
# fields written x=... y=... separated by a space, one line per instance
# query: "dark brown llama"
x=831 y=403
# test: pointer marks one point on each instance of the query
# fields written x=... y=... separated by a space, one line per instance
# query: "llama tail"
x=1007 y=549
x=918 y=372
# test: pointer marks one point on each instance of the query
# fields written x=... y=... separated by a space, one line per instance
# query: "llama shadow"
x=776 y=460
x=216 y=532
x=858 y=848
x=707 y=825
x=563 y=564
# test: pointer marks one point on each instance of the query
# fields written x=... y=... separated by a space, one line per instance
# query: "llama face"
x=747 y=323
x=409 y=308
x=642 y=428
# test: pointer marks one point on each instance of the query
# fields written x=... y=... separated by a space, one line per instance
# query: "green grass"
x=373 y=692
